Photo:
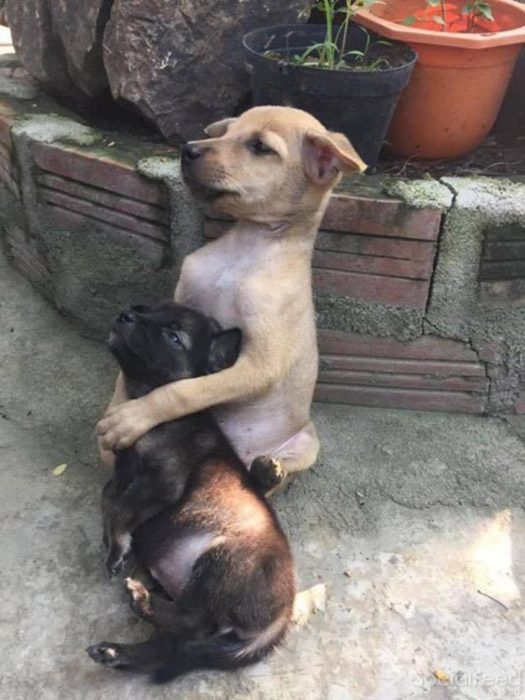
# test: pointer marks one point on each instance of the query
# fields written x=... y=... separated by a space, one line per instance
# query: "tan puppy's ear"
x=219 y=128
x=327 y=155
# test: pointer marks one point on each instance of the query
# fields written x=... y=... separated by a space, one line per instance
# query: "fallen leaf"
x=58 y=471
x=308 y=602
x=441 y=676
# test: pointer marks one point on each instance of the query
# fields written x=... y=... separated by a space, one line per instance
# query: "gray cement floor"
x=413 y=521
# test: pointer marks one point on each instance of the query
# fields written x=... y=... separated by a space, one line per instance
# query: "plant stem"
x=444 y=15
x=345 y=24
x=328 y=9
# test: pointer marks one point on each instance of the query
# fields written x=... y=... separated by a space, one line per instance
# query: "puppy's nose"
x=191 y=151
x=127 y=317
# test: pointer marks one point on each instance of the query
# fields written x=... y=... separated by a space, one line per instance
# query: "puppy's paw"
x=267 y=472
x=139 y=598
x=119 y=552
x=114 y=566
x=107 y=654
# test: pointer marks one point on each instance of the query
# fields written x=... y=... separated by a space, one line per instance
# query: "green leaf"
x=408 y=21
x=438 y=20
x=433 y=3
x=486 y=11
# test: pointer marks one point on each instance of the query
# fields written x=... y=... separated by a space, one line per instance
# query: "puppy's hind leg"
x=275 y=471
x=300 y=451
x=163 y=614
x=145 y=656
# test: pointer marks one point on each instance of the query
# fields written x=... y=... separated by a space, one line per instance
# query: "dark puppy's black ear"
x=224 y=350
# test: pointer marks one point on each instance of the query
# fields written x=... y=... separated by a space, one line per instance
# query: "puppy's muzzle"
x=126 y=317
x=190 y=153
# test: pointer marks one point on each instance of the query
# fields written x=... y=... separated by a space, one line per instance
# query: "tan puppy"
x=272 y=169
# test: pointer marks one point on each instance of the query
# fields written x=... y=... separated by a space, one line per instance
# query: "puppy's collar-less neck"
x=276 y=230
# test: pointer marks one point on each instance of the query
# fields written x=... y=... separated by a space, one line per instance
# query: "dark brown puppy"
x=181 y=499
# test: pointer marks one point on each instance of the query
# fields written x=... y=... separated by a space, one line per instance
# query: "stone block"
x=181 y=64
x=430 y=373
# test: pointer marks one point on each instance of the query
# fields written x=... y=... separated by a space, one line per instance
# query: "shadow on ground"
x=413 y=521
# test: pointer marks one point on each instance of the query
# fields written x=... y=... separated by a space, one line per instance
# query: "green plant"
x=472 y=11
x=331 y=53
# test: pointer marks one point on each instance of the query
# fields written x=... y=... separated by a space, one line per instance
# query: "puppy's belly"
x=261 y=427
x=174 y=569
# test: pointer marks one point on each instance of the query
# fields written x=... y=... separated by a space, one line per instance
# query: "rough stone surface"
x=60 y=42
x=181 y=64
x=455 y=308
x=38 y=47
x=337 y=312
x=80 y=25
x=420 y=193
x=187 y=219
x=81 y=220
x=411 y=521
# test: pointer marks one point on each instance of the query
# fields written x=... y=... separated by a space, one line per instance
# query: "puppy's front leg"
x=120 y=396
x=259 y=367
x=123 y=512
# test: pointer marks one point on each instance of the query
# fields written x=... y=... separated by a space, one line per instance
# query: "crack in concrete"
x=444 y=215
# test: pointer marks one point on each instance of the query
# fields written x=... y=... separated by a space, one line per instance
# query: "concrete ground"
x=413 y=521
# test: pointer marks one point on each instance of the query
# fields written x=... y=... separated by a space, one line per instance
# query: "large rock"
x=60 y=42
x=180 y=64
x=80 y=25
x=36 y=44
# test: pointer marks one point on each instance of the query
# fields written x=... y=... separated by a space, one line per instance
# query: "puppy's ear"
x=224 y=350
x=327 y=155
x=218 y=129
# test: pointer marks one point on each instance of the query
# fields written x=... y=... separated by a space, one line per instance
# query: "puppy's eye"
x=259 y=148
x=174 y=339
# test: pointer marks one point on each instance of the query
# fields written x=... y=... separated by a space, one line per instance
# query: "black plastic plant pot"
x=359 y=103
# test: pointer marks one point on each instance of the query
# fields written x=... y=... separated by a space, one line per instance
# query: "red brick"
x=25 y=255
x=428 y=347
x=349 y=363
x=410 y=399
x=100 y=172
x=342 y=242
x=393 y=378
x=374 y=265
x=7 y=176
x=381 y=217
x=7 y=118
x=372 y=288
x=93 y=213
x=142 y=210
x=149 y=247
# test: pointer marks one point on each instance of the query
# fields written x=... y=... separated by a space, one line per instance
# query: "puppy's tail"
x=224 y=652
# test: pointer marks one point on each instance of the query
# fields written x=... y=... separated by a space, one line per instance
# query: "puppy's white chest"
x=225 y=279
x=211 y=284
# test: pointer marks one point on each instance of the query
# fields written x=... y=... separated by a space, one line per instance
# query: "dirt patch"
x=496 y=156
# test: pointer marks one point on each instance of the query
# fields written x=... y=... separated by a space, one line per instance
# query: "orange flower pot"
x=460 y=78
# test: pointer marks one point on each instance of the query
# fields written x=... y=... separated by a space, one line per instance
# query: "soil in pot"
x=354 y=100
x=460 y=79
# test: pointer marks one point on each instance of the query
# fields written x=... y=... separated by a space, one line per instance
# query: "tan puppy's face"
x=271 y=164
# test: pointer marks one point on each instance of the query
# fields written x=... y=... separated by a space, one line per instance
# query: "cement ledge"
x=95 y=221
